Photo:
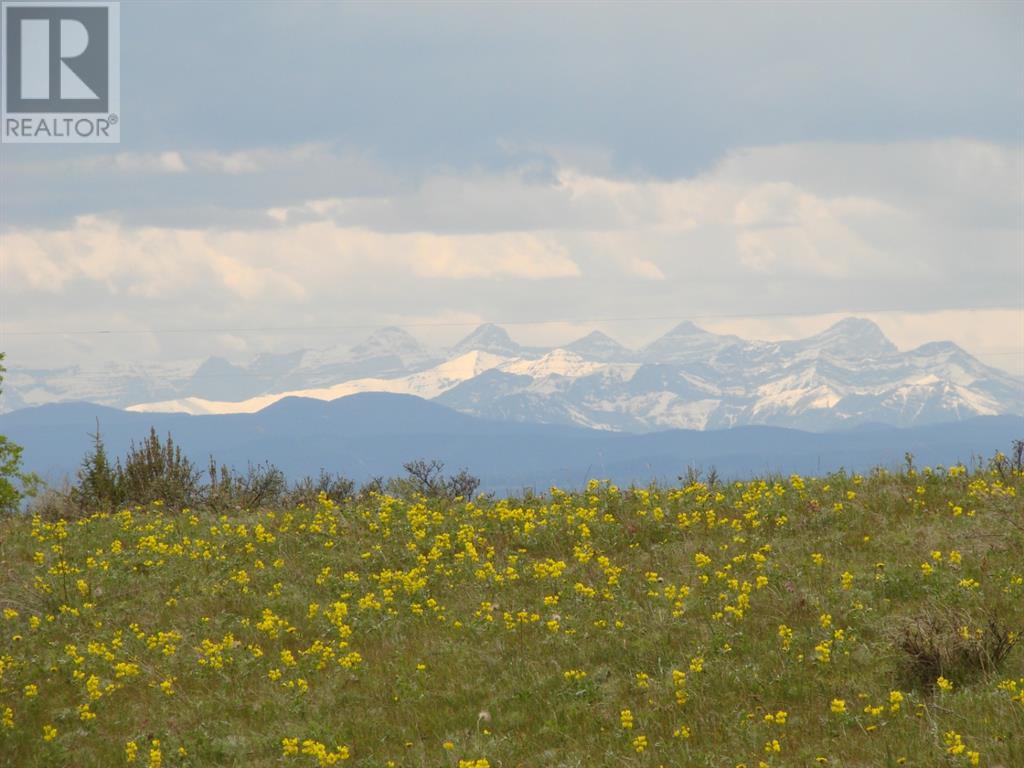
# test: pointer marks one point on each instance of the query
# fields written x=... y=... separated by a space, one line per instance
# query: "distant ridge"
x=371 y=434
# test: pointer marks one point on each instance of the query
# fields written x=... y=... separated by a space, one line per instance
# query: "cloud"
x=163 y=162
x=202 y=162
x=232 y=162
x=959 y=180
x=645 y=268
x=286 y=263
x=767 y=211
x=149 y=263
x=260 y=159
x=658 y=88
x=767 y=229
x=772 y=212
x=158 y=163
x=484 y=256
x=231 y=342
x=782 y=227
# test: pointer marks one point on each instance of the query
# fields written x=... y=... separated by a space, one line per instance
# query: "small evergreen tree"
x=98 y=486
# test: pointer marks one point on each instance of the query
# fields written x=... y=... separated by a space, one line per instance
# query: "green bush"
x=15 y=484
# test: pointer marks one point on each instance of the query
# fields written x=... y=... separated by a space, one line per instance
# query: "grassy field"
x=840 y=621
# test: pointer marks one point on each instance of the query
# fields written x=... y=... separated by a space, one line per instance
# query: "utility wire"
x=461 y=323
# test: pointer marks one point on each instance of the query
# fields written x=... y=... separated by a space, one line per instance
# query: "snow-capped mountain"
x=387 y=352
x=688 y=343
x=847 y=375
x=428 y=384
x=493 y=339
x=391 y=343
x=602 y=347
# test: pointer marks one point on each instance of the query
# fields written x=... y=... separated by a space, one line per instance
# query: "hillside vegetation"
x=841 y=621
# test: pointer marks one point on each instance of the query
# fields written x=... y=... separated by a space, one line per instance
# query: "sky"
x=296 y=174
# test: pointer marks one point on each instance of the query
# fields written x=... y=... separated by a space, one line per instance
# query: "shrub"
x=1008 y=466
x=15 y=484
x=427 y=478
x=373 y=486
x=306 y=491
x=158 y=471
x=693 y=475
x=262 y=485
x=944 y=642
x=61 y=503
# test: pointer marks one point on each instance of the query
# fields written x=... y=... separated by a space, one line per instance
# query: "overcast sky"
x=295 y=174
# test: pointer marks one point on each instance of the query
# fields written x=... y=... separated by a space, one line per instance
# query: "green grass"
x=516 y=633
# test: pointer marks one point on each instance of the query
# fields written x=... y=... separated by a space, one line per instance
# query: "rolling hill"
x=372 y=434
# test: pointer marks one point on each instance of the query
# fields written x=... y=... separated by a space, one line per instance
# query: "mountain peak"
x=598 y=346
x=939 y=348
x=851 y=337
x=488 y=338
x=389 y=341
x=855 y=326
x=687 y=342
x=687 y=328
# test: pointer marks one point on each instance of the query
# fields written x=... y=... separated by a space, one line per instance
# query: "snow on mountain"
x=426 y=384
x=852 y=337
x=659 y=410
x=558 y=362
x=846 y=375
x=111 y=383
x=385 y=353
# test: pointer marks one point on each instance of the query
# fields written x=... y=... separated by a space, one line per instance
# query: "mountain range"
x=848 y=375
x=372 y=434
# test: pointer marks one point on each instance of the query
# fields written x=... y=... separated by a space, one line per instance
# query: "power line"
x=469 y=323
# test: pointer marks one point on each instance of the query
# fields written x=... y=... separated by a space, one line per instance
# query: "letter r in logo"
x=57 y=59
